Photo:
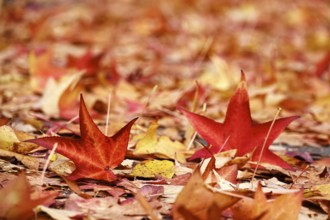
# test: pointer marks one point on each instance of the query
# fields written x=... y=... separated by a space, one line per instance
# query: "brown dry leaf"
x=28 y=161
x=250 y=208
x=286 y=206
x=197 y=202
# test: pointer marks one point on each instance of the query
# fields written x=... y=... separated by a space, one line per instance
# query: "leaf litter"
x=175 y=65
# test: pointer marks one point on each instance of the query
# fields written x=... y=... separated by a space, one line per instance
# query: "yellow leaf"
x=153 y=168
x=162 y=146
x=219 y=75
x=7 y=137
x=324 y=189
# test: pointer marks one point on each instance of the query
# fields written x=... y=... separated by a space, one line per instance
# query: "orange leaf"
x=196 y=201
x=94 y=154
x=244 y=135
x=250 y=209
x=286 y=206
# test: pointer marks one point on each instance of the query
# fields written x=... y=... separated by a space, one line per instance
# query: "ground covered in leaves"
x=164 y=109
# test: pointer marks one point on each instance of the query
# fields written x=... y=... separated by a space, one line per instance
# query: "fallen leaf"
x=63 y=94
x=28 y=161
x=152 y=191
x=16 y=202
x=94 y=154
x=59 y=214
x=153 y=168
x=195 y=96
x=197 y=202
x=244 y=135
x=42 y=69
x=7 y=137
x=162 y=146
x=10 y=140
x=229 y=173
x=323 y=189
x=286 y=206
x=322 y=66
x=88 y=62
x=248 y=208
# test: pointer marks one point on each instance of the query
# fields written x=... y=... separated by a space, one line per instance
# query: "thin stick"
x=193 y=137
x=47 y=162
x=72 y=119
x=264 y=145
x=224 y=144
x=108 y=116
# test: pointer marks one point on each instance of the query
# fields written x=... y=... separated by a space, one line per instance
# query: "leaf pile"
x=209 y=143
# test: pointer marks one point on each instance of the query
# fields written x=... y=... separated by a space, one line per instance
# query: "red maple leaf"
x=88 y=62
x=94 y=154
x=238 y=127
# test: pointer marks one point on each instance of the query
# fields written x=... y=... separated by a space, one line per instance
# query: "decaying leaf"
x=94 y=154
x=162 y=146
x=197 y=202
x=242 y=133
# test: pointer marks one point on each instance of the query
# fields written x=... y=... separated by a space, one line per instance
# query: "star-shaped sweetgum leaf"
x=94 y=154
x=238 y=127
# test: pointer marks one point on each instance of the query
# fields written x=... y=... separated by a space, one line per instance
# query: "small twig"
x=107 y=122
x=224 y=144
x=47 y=162
x=193 y=137
x=295 y=180
x=264 y=144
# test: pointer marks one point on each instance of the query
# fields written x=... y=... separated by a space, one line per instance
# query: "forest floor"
x=232 y=100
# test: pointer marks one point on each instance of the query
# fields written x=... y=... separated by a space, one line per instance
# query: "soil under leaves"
x=176 y=65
